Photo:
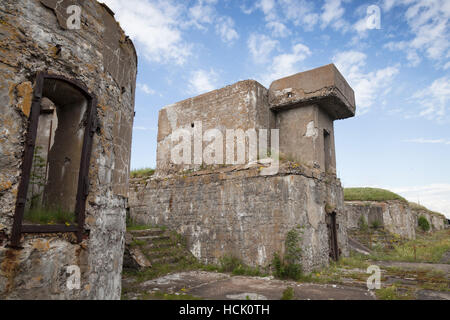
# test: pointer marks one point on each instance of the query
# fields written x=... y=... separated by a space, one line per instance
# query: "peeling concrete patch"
x=25 y=94
x=311 y=130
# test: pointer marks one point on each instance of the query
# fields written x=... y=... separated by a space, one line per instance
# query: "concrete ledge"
x=324 y=86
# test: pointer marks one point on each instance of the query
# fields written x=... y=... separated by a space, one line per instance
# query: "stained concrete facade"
x=233 y=209
x=34 y=37
x=242 y=105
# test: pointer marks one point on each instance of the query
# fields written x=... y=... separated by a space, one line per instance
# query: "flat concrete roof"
x=324 y=86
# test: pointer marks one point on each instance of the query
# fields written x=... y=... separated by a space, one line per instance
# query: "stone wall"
x=437 y=221
x=236 y=211
x=34 y=38
x=395 y=216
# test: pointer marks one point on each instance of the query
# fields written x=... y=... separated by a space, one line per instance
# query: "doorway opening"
x=332 y=236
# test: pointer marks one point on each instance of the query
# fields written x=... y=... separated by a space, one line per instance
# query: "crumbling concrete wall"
x=437 y=221
x=34 y=38
x=395 y=216
x=236 y=211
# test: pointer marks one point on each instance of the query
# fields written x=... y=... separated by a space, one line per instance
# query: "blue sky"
x=400 y=138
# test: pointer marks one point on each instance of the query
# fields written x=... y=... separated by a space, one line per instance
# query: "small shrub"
x=289 y=267
x=423 y=223
x=229 y=263
x=376 y=224
x=362 y=223
x=288 y=294
x=234 y=265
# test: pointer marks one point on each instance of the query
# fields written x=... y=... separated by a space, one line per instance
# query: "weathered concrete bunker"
x=229 y=208
x=67 y=89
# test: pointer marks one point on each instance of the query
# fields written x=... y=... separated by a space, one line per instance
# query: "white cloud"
x=142 y=128
x=202 y=81
x=428 y=22
x=388 y=4
x=261 y=47
x=367 y=86
x=225 y=28
x=278 y=29
x=434 y=196
x=286 y=64
x=202 y=12
x=434 y=100
x=429 y=141
x=145 y=88
x=332 y=15
x=154 y=27
x=267 y=6
x=361 y=27
x=300 y=12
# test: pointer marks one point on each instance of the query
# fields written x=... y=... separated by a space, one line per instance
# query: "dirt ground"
x=220 y=286
x=405 y=276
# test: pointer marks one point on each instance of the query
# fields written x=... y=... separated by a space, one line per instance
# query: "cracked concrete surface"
x=219 y=286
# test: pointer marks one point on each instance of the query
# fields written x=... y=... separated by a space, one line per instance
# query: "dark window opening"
x=327 y=149
x=332 y=227
x=54 y=183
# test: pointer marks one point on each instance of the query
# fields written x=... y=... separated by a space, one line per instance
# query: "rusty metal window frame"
x=83 y=177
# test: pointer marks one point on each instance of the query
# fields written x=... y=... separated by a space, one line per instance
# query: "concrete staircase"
x=153 y=246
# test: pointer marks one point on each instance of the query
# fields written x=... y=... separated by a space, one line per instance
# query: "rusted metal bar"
x=83 y=178
x=56 y=228
x=27 y=161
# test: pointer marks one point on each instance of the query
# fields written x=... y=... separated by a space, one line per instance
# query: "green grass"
x=46 y=216
x=392 y=293
x=288 y=294
x=416 y=206
x=426 y=248
x=370 y=194
x=136 y=227
x=236 y=267
x=133 y=226
x=142 y=173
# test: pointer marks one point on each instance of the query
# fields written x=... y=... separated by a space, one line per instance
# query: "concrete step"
x=147 y=232
x=157 y=245
x=167 y=252
x=152 y=238
x=166 y=260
